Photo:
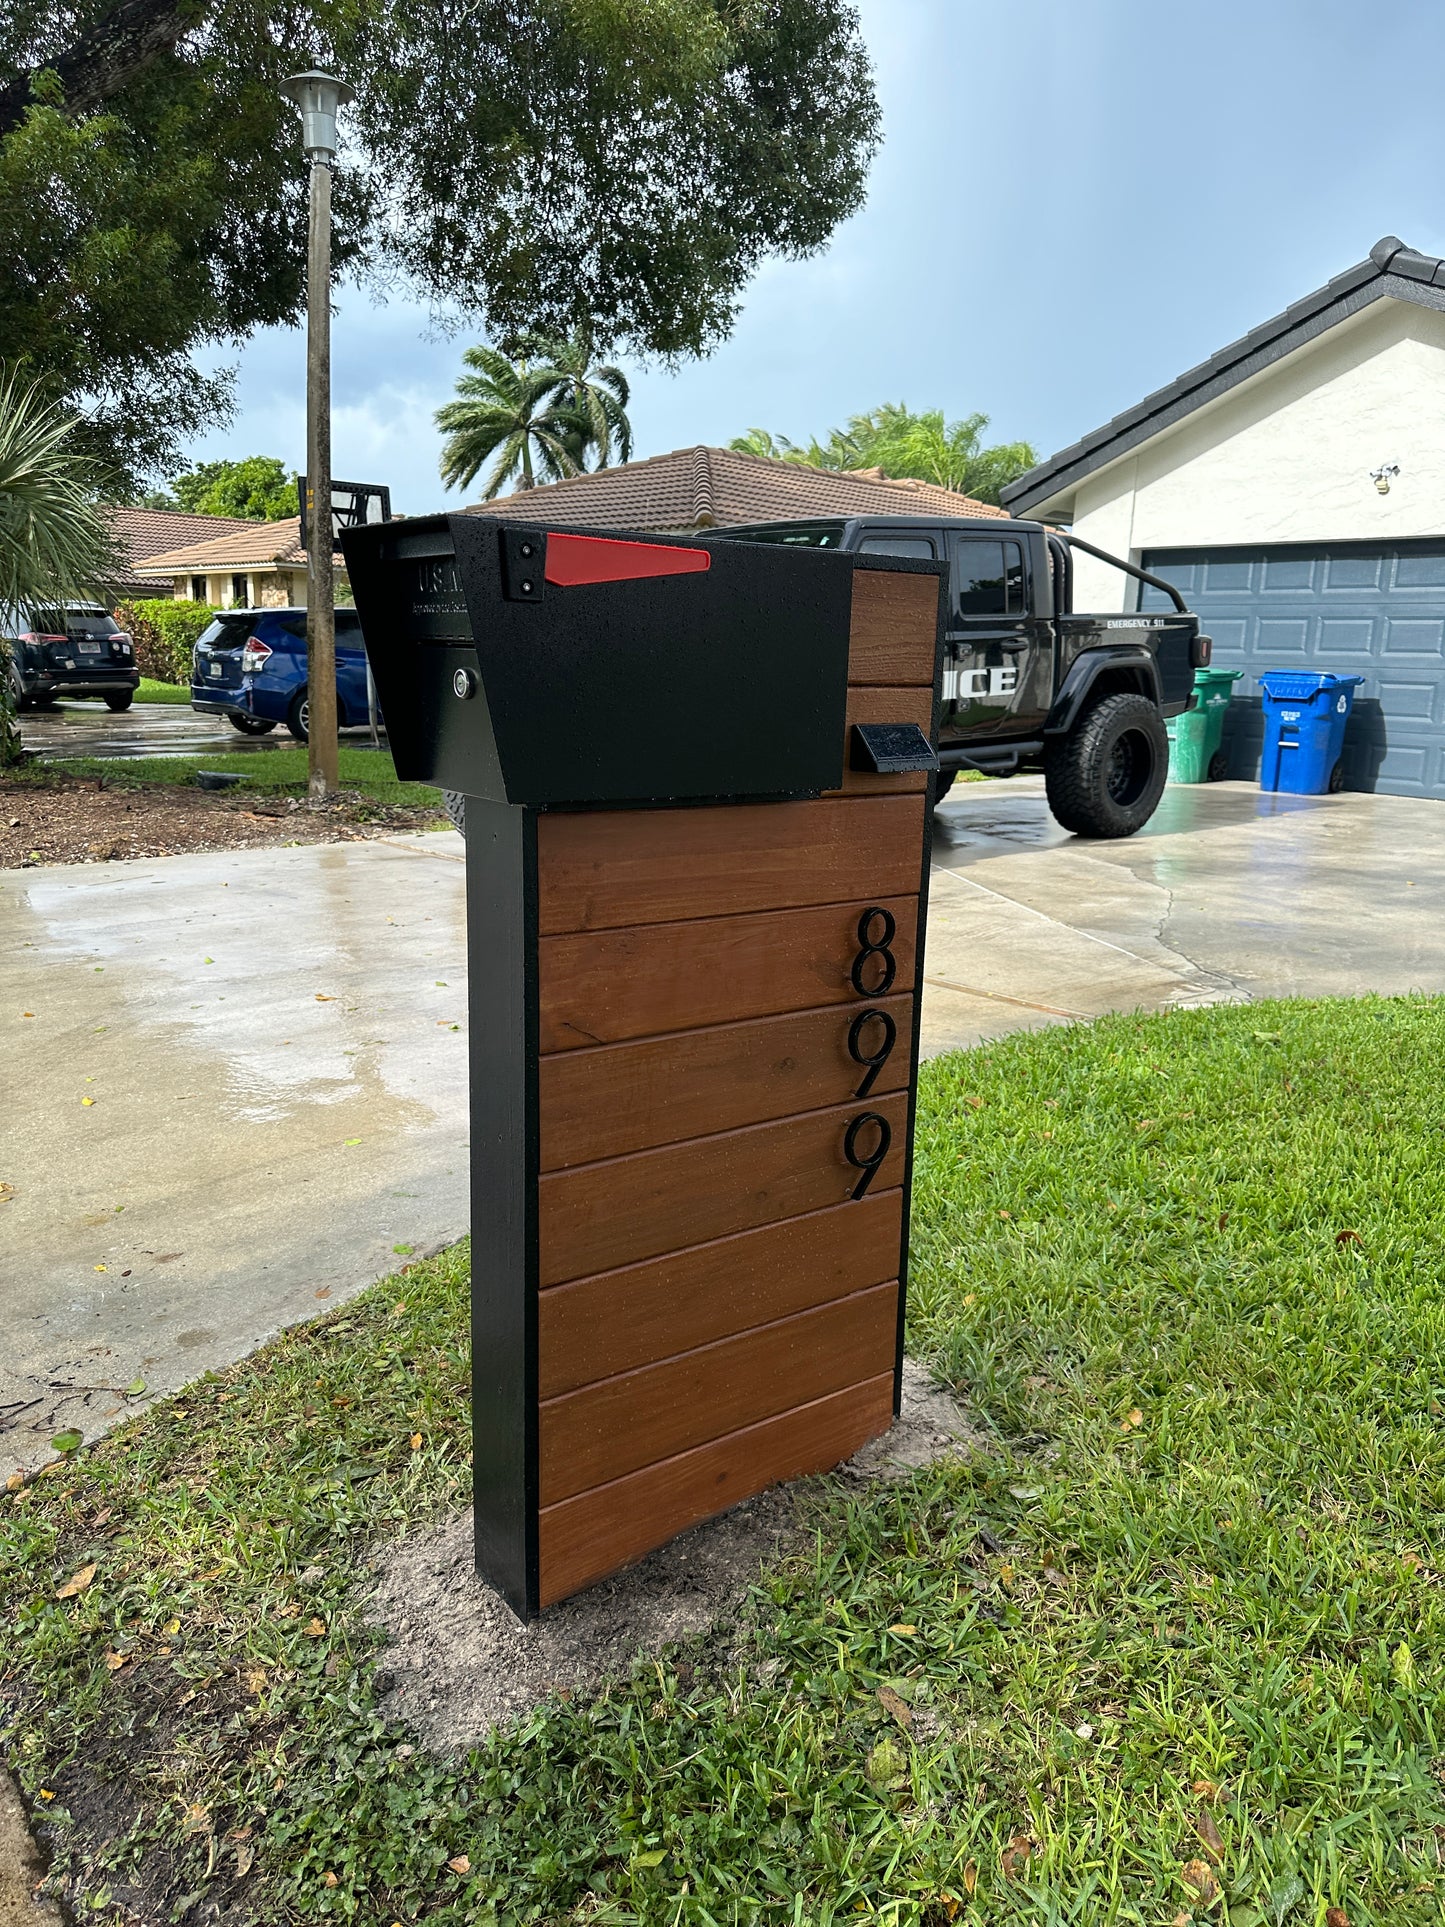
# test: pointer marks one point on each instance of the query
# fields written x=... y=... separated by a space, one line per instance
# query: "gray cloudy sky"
x=1073 y=204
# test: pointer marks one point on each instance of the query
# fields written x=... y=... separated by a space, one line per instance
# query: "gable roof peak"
x=1391 y=269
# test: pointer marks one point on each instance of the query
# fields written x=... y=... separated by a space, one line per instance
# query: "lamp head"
x=318 y=96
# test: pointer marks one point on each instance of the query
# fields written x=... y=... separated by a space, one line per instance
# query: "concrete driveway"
x=1227 y=894
x=274 y=1043
x=148 y=729
x=233 y=1084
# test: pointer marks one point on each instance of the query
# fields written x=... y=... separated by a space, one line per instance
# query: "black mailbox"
x=699 y=803
x=547 y=666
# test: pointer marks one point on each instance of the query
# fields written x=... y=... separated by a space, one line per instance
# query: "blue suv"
x=249 y=665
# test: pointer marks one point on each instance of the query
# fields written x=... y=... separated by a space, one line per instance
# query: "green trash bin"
x=1194 y=738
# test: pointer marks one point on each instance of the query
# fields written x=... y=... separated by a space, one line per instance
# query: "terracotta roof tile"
x=702 y=488
x=142 y=533
x=146 y=532
x=245 y=545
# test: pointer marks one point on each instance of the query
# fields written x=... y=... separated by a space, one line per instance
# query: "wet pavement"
x=233 y=1084
x=1227 y=894
x=148 y=729
x=274 y=1043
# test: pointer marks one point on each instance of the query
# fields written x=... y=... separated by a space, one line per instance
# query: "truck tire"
x=1106 y=776
x=942 y=784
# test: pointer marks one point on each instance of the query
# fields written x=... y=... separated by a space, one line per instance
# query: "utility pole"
x=319 y=96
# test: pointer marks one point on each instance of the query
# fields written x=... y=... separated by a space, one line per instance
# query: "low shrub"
x=164 y=633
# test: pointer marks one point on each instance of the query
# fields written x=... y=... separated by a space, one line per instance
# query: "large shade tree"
x=610 y=169
x=54 y=543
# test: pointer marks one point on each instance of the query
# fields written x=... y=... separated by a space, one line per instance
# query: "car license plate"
x=89 y=648
x=217 y=668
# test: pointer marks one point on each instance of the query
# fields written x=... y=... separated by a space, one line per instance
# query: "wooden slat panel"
x=598 y=1532
x=603 y=1431
x=626 y=1209
x=598 y=870
x=618 y=1320
x=637 y=982
x=629 y=1097
x=885 y=706
x=895 y=628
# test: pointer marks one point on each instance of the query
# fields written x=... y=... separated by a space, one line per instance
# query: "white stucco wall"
x=1286 y=456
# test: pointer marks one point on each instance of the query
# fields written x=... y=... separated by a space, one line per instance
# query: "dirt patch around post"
x=80 y=820
x=460 y=1662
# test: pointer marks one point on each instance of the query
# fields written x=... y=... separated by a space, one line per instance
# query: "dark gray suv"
x=68 y=649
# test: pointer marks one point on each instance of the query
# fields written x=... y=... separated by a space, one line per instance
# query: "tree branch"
x=105 y=57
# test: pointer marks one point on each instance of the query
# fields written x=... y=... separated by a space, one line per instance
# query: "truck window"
x=920 y=547
x=988 y=578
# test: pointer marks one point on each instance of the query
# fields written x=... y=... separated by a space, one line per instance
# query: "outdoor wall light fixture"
x=1381 y=476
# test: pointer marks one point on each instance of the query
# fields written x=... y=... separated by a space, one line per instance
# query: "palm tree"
x=54 y=543
x=508 y=413
x=536 y=418
x=597 y=397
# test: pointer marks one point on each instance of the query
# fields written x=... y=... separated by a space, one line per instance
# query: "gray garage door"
x=1352 y=608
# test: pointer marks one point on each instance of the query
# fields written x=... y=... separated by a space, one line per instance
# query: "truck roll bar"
x=1142 y=575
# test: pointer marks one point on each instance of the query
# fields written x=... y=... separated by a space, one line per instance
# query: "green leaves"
x=257 y=488
x=900 y=443
x=620 y=181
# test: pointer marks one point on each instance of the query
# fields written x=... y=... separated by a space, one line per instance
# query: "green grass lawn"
x=1170 y=1648
x=275 y=771
x=163 y=692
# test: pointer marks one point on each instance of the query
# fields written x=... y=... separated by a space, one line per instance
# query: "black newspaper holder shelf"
x=652 y=735
x=552 y=667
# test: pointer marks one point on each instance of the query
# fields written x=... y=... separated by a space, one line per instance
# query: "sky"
x=1072 y=204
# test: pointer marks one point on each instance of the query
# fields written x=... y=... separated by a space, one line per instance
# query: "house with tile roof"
x=691 y=489
x=1292 y=487
x=253 y=565
x=142 y=533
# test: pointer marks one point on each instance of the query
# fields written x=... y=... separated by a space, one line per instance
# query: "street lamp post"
x=318 y=96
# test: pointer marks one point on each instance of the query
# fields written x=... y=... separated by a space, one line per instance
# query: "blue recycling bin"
x=1304 y=730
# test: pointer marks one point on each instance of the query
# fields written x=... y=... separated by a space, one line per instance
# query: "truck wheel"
x=1106 y=777
x=942 y=784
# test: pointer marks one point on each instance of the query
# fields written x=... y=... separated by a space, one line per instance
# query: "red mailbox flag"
x=576 y=559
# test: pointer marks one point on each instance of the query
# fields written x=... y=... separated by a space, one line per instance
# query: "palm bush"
x=54 y=543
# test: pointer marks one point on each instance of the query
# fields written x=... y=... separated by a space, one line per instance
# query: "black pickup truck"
x=1027 y=683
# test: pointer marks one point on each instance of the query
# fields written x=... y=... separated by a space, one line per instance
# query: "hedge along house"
x=1293 y=487
x=254 y=565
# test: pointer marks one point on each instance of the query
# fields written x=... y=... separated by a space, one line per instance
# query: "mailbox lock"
x=464 y=684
